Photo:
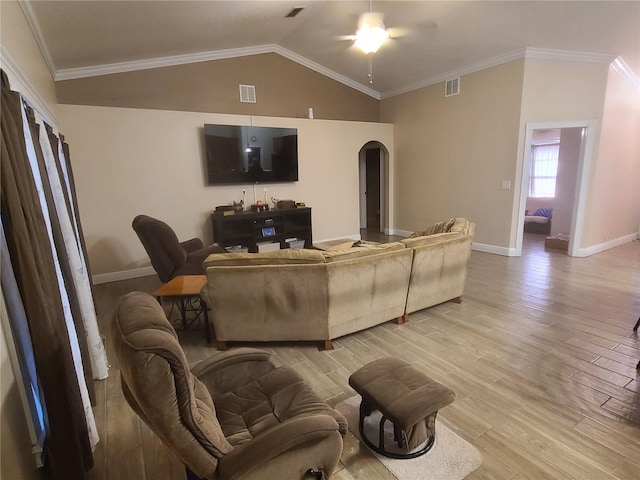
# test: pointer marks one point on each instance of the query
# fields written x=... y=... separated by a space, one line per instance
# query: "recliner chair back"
x=159 y=386
x=161 y=244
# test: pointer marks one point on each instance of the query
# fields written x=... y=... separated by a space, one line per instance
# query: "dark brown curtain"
x=67 y=450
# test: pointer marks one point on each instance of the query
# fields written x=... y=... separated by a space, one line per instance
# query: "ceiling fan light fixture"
x=371 y=33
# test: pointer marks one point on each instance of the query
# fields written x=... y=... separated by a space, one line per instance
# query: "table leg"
x=205 y=313
x=183 y=311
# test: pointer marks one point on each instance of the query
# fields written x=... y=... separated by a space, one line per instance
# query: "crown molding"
x=622 y=69
x=131 y=66
x=567 y=56
x=37 y=33
x=474 y=67
x=618 y=63
x=325 y=71
x=526 y=53
x=122 y=67
x=26 y=89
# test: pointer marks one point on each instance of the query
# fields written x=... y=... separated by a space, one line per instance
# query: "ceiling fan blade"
x=428 y=29
x=346 y=37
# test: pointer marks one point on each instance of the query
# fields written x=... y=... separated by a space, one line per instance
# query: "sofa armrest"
x=192 y=245
x=311 y=442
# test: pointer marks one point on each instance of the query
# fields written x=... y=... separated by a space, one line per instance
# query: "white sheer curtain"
x=62 y=195
x=544 y=168
x=80 y=277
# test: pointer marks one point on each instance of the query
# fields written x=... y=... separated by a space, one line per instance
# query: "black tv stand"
x=247 y=229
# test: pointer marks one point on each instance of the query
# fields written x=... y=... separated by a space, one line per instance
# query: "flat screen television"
x=241 y=154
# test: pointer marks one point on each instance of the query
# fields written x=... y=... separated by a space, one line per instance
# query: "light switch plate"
x=506 y=184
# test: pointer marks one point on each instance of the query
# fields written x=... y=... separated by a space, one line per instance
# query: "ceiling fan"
x=372 y=33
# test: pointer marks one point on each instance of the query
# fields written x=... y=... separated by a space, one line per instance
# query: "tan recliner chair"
x=170 y=257
x=232 y=416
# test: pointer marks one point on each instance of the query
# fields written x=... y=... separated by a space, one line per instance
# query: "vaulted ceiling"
x=434 y=40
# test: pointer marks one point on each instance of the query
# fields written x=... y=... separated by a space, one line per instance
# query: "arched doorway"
x=374 y=187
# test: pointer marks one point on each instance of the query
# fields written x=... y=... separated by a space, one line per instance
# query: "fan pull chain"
x=370 y=74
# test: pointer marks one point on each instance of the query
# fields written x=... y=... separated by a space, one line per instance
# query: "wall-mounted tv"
x=242 y=154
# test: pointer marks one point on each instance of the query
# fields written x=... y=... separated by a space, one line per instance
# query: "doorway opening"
x=553 y=189
x=373 y=168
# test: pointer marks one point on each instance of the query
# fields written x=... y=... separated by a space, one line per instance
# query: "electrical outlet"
x=506 y=185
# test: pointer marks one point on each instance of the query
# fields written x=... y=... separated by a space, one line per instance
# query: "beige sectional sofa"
x=317 y=295
x=439 y=267
x=305 y=294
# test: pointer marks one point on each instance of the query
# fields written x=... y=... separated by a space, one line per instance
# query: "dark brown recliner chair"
x=170 y=257
x=232 y=416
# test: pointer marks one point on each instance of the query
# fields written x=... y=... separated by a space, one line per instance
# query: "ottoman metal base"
x=398 y=436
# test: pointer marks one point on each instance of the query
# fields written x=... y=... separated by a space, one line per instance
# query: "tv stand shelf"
x=247 y=229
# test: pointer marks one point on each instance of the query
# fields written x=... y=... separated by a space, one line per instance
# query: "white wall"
x=568 y=162
x=612 y=207
x=132 y=161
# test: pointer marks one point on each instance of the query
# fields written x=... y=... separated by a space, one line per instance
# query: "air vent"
x=247 y=94
x=452 y=87
x=294 y=12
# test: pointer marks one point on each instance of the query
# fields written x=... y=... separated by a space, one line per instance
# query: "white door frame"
x=584 y=167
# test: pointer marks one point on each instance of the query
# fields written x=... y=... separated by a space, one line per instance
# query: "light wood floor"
x=541 y=355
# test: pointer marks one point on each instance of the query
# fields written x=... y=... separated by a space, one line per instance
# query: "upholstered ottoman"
x=407 y=398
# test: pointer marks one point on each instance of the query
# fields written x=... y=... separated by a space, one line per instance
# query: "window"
x=544 y=168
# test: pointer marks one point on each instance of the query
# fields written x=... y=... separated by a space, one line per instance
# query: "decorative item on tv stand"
x=283 y=204
x=259 y=206
x=235 y=207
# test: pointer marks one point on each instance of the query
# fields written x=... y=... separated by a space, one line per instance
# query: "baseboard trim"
x=494 y=249
x=396 y=231
x=479 y=247
x=601 y=247
x=122 y=275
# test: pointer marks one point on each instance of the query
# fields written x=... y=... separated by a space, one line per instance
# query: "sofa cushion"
x=360 y=251
x=353 y=243
x=288 y=256
x=341 y=246
x=440 y=227
x=413 y=242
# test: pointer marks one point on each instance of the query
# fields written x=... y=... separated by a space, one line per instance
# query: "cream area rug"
x=451 y=457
